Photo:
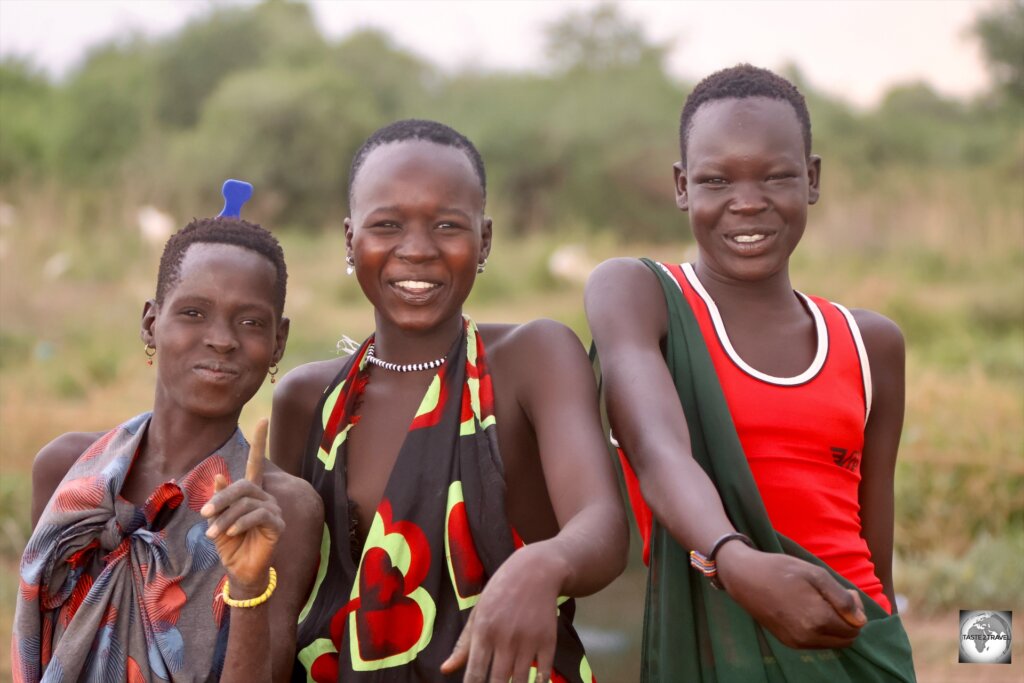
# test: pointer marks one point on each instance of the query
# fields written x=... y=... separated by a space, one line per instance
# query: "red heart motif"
x=388 y=622
x=466 y=564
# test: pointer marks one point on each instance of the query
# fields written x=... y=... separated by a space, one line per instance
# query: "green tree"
x=193 y=63
x=395 y=80
x=103 y=112
x=25 y=106
x=1001 y=32
x=598 y=39
x=291 y=132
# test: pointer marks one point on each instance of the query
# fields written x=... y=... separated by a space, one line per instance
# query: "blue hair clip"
x=236 y=193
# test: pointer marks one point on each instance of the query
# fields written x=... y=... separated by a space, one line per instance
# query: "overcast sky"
x=852 y=48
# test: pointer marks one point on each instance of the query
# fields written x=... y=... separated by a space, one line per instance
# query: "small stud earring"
x=350 y=266
x=150 y=351
x=272 y=371
x=480 y=266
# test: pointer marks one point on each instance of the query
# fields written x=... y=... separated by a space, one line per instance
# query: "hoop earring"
x=150 y=351
x=480 y=266
x=272 y=371
x=350 y=266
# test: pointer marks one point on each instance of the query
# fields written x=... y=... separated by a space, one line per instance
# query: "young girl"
x=780 y=492
x=441 y=446
x=146 y=563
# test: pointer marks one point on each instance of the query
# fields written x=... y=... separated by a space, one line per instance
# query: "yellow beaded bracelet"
x=251 y=602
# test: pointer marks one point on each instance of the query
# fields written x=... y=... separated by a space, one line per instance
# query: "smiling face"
x=417 y=233
x=746 y=185
x=216 y=331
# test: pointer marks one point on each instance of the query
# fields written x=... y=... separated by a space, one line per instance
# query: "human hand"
x=799 y=603
x=514 y=625
x=245 y=522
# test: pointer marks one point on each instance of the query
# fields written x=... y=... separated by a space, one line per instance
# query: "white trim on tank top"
x=862 y=354
x=820 y=329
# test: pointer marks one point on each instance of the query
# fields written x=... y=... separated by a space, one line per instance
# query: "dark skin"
x=747 y=184
x=417 y=233
x=216 y=333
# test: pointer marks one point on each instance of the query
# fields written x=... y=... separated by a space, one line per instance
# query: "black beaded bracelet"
x=706 y=564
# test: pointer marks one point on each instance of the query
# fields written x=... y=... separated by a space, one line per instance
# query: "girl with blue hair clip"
x=158 y=551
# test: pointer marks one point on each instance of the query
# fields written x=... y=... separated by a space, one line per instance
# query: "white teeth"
x=747 y=239
x=414 y=284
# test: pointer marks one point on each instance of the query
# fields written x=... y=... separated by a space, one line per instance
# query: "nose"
x=747 y=199
x=417 y=244
x=220 y=336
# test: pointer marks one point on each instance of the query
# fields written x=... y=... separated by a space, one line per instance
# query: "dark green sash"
x=693 y=632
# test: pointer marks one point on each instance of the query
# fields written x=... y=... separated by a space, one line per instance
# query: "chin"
x=217 y=407
x=422 y=321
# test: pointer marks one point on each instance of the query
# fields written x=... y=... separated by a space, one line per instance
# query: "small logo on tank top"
x=847 y=459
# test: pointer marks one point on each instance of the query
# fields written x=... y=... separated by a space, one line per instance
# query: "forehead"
x=418 y=170
x=749 y=126
x=225 y=272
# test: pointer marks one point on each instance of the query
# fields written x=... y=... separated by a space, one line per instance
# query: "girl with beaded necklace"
x=462 y=468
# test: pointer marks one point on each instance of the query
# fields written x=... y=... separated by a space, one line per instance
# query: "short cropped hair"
x=740 y=82
x=235 y=231
x=418 y=129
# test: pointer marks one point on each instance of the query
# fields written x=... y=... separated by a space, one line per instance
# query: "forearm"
x=248 y=657
x=684 y=501
x=655 y=437
x=588 y=553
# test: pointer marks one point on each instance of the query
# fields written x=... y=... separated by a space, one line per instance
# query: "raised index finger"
x=254 y=466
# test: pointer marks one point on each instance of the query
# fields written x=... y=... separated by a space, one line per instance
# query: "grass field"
x=943 y=256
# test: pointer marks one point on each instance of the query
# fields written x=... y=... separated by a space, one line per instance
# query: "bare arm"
x=257 y=525
x=559 y=396
x=514 y=625
x=627 y=315
x=884 y=344
x=52 y=463
x=799 y=603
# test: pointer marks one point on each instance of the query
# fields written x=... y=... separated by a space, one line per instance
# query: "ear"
x=485 y=238
x=348 y=236
x=679 y=175
x=149 y=313
x=813 y=178
x=281 y=338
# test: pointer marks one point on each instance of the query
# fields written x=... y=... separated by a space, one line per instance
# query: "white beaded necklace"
x=407 y=367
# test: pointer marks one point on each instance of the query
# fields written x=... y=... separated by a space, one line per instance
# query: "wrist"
x=544 y=559
x=708 y=564
x=731 y=557
x=250 y=587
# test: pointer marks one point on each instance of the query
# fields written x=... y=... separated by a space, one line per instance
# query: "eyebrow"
x=398 y=209
x=244 y=306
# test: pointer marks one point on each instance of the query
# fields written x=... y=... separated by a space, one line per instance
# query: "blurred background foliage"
x=922 y=218
x=258 y=91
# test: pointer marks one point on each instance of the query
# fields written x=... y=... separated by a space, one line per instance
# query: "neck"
x=773 y=291
x=397 y=345
x=177 y=441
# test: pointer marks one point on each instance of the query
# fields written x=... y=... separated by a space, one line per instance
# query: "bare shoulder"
x=525 y=338
x=295 y=400
x=624 y=274
x=535 y=353
x=883 y=339
x=51 y=464
x=305 y=384
x=55 y=458
x=623 y=295
x=298 y=499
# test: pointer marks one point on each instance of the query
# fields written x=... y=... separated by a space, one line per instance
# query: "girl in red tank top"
x=819 y=425
x=803 y=435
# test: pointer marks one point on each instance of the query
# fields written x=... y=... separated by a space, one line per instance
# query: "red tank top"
x=802 y=435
